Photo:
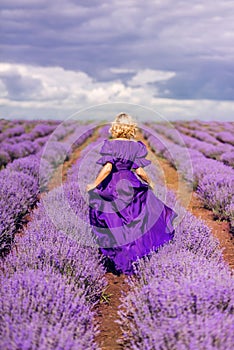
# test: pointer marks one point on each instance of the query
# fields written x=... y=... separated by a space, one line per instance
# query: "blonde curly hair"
x=123 y=126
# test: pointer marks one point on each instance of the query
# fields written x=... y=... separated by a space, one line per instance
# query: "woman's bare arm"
x=105 y=171
x=141 y=172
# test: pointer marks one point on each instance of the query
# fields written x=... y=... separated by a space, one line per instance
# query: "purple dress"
x=127 y=219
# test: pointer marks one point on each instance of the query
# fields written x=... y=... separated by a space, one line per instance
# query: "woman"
x=127 y=219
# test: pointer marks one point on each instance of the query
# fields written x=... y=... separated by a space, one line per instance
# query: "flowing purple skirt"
x=128 y=220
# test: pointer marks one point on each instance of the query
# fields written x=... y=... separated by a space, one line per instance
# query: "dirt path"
x=106 y=313
x=220 y=229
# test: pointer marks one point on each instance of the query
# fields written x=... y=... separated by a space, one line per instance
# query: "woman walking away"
x=127 y=219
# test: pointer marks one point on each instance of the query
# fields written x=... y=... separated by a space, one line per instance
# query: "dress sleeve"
x=106 y=153
x=140 y=160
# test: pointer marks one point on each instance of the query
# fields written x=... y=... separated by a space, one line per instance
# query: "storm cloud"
x=162 y=53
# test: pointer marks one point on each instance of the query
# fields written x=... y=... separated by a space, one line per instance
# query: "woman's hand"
x=105 y=171
x=141 y=172
x=90 y=187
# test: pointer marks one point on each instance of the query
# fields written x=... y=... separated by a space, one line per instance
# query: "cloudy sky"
x=174 y=57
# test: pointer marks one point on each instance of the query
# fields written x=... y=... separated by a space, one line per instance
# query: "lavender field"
x=52 y=277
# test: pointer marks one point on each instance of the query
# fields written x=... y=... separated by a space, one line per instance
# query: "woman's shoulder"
x=118 y=146
x=138 y=145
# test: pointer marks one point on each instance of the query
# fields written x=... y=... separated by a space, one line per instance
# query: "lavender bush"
x=202 y=141
x=179 y=294
x=20 y=181
x=226 y=136
x=20 y=140
x=18 y=192
x=212 y=180
x=57 y=274
x=228 y=158
x=40 y=310
x=216 y=191
x=4 y=158
x=15 y=131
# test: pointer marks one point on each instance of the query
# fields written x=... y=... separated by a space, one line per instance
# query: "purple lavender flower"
x=226 y=137
x=40 y=310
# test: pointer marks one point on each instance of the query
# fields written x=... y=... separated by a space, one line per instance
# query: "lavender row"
x=200 y=141
x=216 y=138
x=22 y=180
x=182 y=296
x=31 y=142
x=20 y=141
x=219 y=146
x=213 y=127
x=222 y=140
x=11 y=129
x=56 y=277
x=41 y=311
x=212 y=179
